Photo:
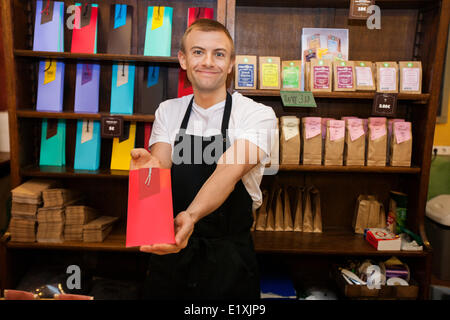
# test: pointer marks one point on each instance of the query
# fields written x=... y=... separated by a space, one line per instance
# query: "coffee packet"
x=355 y=143
x=387 y=77
x=312 y=140
x=269 y=73
x=377 y=142
x=245 y=72
x=321 y=72
x=334 y=143
x=364 y=76
x=401 y=144
x=290 y=140
x=344 y=76
x=410 y=76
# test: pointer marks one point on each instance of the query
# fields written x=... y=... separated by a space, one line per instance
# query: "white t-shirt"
x=249 y=120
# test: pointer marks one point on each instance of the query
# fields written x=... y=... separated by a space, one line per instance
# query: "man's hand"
x=141 y=158
x=184 y=226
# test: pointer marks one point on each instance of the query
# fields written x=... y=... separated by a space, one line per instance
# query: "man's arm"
x=159 y=157
x=239 y=159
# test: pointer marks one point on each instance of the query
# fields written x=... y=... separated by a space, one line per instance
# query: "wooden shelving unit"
x=411 y=30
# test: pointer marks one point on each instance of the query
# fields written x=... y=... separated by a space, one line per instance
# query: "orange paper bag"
x=150 y=210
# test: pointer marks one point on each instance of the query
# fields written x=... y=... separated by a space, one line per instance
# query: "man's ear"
x=182 y=59
x=232 y=62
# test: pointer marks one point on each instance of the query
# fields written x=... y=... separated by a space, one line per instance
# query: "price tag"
x=298 y=99
x=111 y=127
x=384 y=104
x=359 y=9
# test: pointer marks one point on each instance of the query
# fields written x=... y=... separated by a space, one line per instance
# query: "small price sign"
x=359 y=9
x=384 y=104
x=298 y=99
x=111 y=127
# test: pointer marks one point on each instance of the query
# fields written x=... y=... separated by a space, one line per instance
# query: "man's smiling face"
x=207 y=59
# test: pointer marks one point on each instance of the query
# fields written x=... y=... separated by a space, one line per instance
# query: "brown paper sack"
x=376 y=148
x=298 y=217
x=270 y=222
x=245 y=60
x=387 y=77
x=334 y=149
x=361 y=215
x=275 y=150
x=321 y=72
x=382 y=219
x=344 y=76
x=312 y=148
x=317 y=218
x=401 y=152
x=279 y=214
x=308 y=214
x=288 y=223
x=261 y=217
x=374 y=213
x=290 y=140
x=410 y=76
x=364 y=76
x=354 y=151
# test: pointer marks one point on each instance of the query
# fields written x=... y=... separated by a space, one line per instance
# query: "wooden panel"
x=384 y=4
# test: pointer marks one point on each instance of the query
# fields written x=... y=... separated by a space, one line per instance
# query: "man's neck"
x=208 y=99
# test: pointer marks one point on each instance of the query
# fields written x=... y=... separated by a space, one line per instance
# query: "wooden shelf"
x=66 y=172
x=416 y=98
x=94 y=56
x=383 y=4
x=330 y=243
x=345 y=169
x=29 y=113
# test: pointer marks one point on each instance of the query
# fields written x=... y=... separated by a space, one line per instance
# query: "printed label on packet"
x=313 y=127
x=290 y=128
x=321 y=77
x=387 y=79
x=246 y=74
x=355 y=128
x=377 y=131
x=411 y=79
x=402 y=131
x=344 y=77
x=337 y=129
x=270 y=74
x=364 y=76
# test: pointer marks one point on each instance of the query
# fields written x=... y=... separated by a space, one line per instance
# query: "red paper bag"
x=150 y=210
x=83 y=36
x=147 y=135
x=184 y=85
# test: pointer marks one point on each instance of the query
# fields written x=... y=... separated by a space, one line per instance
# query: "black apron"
x=219 y=261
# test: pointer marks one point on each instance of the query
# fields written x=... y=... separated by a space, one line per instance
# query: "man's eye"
x=220 y=54
x=197 y=52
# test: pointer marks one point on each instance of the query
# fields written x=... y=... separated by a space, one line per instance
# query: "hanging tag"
x=111 y=127
x=86 y=73
x=86 y=10
x=158 y=17
x=49 y=71
x=122 y=74
x=149 y=182
x=87 y=132
x=125 y=133
x=47 y=11
x=384 y=104
x=120 y=18
x=52 y=128
x=153 y=76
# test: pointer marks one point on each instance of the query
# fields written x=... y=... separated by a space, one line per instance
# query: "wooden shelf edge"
x=384 y=4
x=417 y=98
x=94 y=56
x=29 y=113
x=344 y=169
x=66 y=172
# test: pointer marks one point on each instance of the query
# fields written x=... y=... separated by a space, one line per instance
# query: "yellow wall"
x=442 y=132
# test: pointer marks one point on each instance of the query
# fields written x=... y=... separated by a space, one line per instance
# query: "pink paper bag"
x=150 y=210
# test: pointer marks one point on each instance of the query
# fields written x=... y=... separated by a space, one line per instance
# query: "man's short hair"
x=207 y=25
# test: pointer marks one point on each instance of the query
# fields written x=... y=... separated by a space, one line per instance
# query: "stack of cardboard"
x=51 y=217
x=97 y=230
x=26 y=199
x=76 y=218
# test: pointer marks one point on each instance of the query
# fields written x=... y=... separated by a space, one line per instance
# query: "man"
x=212 y=200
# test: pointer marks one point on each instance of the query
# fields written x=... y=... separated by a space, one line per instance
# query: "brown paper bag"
x=344 y=76
x=361 y=214
x=321 y=75
x=334 y=143
x=270 y=222
x=387 y=77
x=377 y=142
x=374 y=213
x=275 y=150
x=288 y=223
x=317 y=218
x=410 y=76
x=312 y=140
x=355 y=143
x=245 y=72
x=308 y=214
x=382 y=217
x=261 y=217
x=364 y=76
x=269 y=73
x=290 y=140
x=401 y=144
x=291 y=75
x=298 y=216
x=279 y=214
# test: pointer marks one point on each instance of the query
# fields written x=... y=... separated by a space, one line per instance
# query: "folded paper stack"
x=26 y=200
x=97 y=230
x=76 y=218
x=59 y=197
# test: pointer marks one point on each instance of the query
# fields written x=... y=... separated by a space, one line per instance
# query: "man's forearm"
x=216 y=189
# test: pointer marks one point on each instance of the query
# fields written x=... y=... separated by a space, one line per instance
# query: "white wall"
x=4 y=132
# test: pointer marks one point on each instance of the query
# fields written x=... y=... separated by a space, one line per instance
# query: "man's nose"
x=208 y=59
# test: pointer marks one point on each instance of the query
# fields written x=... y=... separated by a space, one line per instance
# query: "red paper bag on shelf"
x=184 y=85
x=150 y=210
x=147 y=134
